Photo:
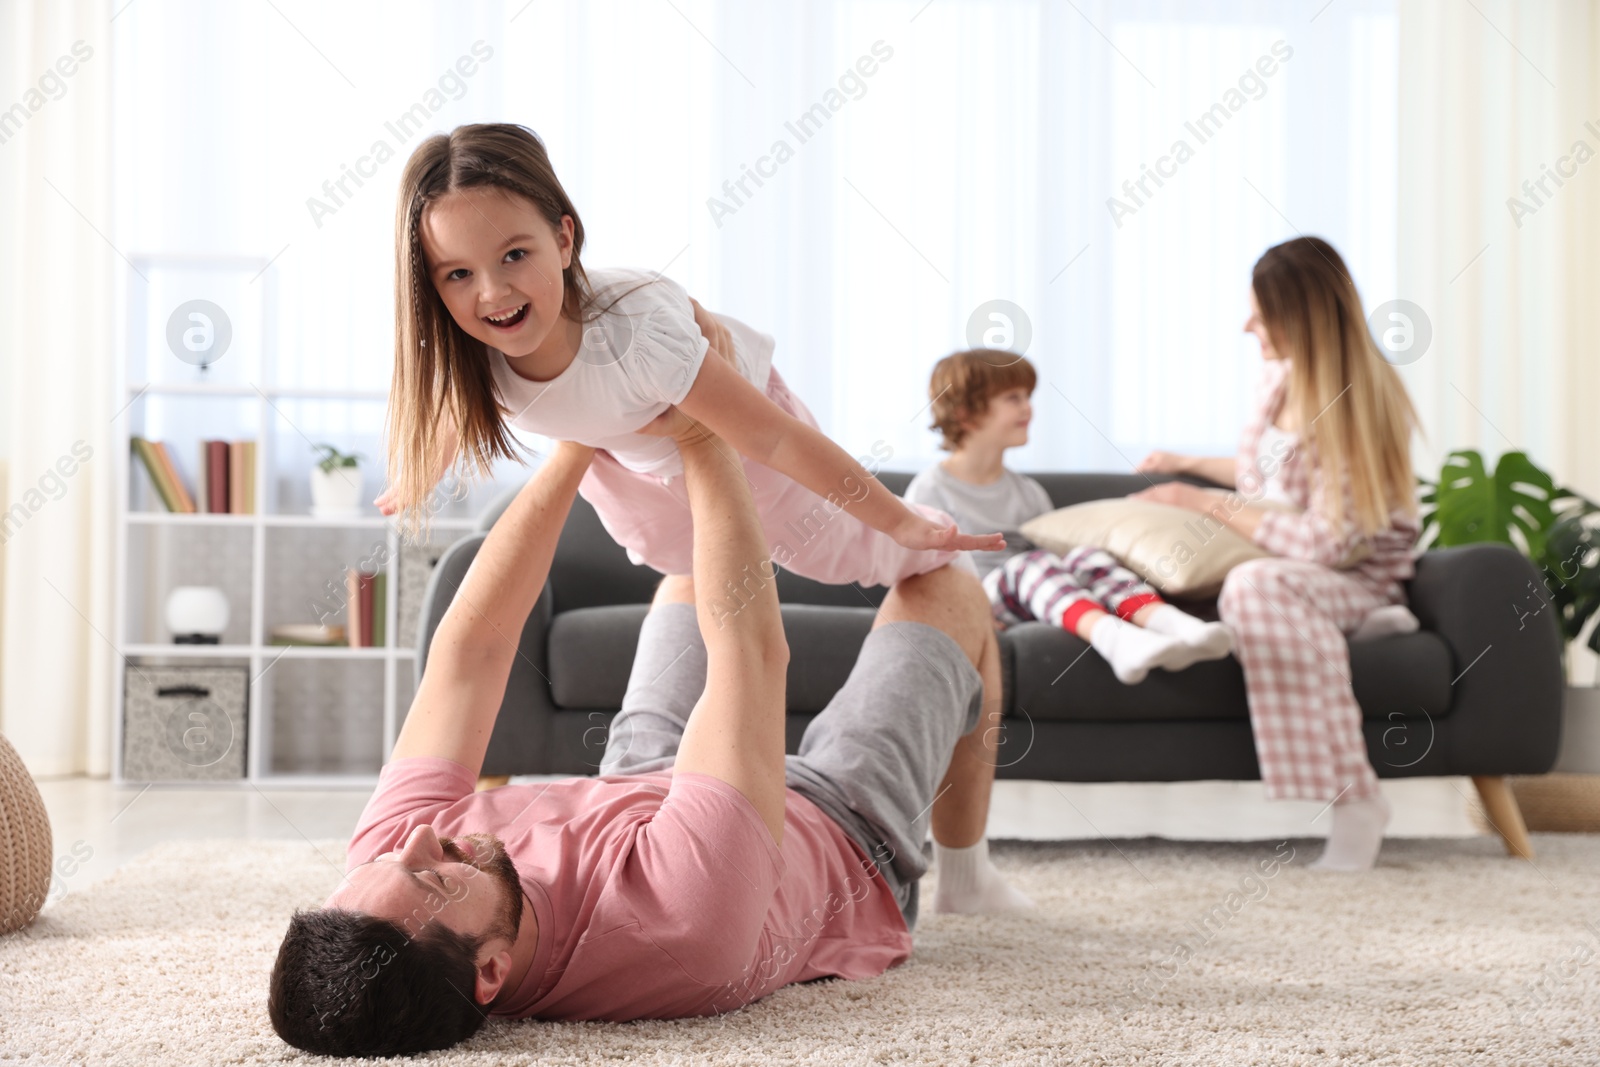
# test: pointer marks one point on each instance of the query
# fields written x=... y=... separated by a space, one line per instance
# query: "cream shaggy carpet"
x=1145 y=952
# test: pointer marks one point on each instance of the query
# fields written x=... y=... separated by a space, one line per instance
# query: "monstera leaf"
x=1571 y=569
x=1469 y=504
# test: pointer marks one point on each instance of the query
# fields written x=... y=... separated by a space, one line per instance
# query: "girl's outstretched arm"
x=743 y=416
x=712 y=329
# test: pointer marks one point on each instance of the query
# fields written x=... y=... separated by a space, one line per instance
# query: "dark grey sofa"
x=1476 y=692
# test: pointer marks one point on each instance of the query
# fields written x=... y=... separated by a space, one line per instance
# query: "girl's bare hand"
x=921 y=533
x=387 y=503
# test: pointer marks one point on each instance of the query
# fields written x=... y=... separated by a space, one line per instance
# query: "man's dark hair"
x=349 y=984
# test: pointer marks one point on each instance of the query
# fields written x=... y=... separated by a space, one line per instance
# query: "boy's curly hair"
x=963 y=383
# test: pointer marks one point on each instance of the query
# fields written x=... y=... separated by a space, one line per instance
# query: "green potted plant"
x=1519 y=504
x=336 y=483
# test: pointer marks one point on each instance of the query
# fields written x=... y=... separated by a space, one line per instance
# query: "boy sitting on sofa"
x=981 y=403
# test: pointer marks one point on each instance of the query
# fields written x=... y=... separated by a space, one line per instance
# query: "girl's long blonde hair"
x=1351 y=405
x=440 y=371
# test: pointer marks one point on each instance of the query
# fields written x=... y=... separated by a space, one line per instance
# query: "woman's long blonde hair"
x=1350 y=402
x=439 y=369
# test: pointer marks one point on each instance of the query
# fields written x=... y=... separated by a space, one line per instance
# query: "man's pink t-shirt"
x=660 y=895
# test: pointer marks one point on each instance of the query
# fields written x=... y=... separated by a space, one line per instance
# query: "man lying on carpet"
x=703 y=870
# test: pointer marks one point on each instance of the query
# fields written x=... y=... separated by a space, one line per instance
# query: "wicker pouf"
x=24 y=843
x=1562 y=803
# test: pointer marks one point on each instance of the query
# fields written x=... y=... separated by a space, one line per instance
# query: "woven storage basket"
x=24 y=843
x=1568 y=803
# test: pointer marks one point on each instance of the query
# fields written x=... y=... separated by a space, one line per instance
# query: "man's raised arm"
x=735 y=733
x=470 y=656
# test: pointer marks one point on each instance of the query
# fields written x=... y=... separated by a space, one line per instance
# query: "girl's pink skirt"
x=806 y=534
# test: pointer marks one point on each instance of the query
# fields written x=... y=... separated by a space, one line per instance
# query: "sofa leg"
x=492 y=781
x=1500 y=805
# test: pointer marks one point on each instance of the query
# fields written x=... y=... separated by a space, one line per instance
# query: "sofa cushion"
x=591 y=654
x=1172 y=548
x=1058 y=677
x=592 y=649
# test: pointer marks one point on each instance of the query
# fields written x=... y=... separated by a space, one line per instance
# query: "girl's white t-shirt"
x=637 y=357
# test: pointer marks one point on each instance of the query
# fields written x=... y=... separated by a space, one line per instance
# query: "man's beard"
x=488 y=854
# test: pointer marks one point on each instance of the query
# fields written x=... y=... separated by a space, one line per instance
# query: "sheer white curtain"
x=1491 y=98
x=950 y=154
x=56 y=330
x=1499 y=211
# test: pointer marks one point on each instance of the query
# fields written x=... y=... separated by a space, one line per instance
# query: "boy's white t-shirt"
x=637 y=357
x=1002 y=506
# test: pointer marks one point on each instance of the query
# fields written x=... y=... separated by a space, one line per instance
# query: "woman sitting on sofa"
x=1330 y=438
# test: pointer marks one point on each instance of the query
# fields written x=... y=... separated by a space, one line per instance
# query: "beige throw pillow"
x=1180 y=552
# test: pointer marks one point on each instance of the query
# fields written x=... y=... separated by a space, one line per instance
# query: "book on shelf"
x=366 y=610
x=233 y=476
x=249 y=476
x=352 y=606
x=216 y=475
x=153 y=468
x=228 y=474
x=202 y=483
x=307 y=634
x=247 y=462
x=366 y=597
x=379 y=596
x=225 y=477
x=163 y=475
x=185 y=501
x=235 y=479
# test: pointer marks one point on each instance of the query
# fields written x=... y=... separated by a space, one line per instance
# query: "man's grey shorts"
x=873 y=759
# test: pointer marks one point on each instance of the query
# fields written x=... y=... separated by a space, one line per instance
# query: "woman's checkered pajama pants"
x=1289 y=619
x=1042 y=586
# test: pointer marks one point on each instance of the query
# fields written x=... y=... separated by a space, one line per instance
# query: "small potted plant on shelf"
x=336 y=483
x=1519 y=504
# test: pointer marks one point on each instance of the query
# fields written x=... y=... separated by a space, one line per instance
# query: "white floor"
x=98 y=827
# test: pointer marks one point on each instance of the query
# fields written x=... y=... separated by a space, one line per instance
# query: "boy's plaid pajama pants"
x=1289 y=619
x=1043 y=586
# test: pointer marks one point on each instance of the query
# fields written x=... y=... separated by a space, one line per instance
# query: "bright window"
x=934 y=156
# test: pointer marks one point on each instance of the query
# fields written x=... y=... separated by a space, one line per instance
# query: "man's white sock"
x=1133 y=651
x=969 y=884
x=1211 y=638
x=1357 y=835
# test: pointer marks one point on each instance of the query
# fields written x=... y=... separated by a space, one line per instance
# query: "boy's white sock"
x=969 y=884
x=1389 y=619
x=1132 y=650
x=1213 y=639
x=1357 y=835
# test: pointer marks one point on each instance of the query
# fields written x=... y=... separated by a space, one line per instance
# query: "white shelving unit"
x=265 y=561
